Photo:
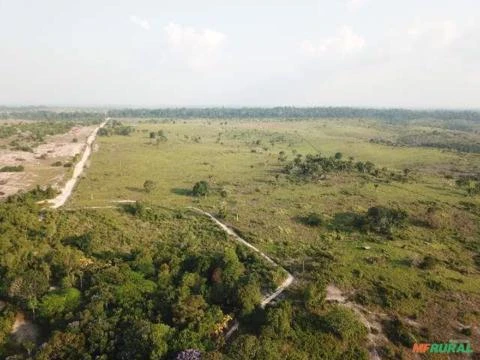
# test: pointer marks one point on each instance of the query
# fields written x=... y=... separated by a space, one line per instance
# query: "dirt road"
x=66 y=191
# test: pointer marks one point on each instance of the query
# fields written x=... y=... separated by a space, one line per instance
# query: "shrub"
x=398 y=333
x=428 y=263
x=381 y=219
x=149 y=185
x=313 y=219
x=201 y=188
x=18 y=168
x=344 y=324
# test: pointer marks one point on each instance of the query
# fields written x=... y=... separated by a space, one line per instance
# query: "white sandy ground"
x=57 y=147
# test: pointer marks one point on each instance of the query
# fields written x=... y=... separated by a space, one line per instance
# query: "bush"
x=428 y=263
x=314 y=296
x=201 y=188
x=313 y=219
x=149 y=185
x=18 y=168
x=382 y=220
x=399 y=334
x=344 y=324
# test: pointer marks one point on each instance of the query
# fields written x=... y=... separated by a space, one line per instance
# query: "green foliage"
x=248 y=297
x=200 y=188
x=56 y=304
x=382 y=220
x=399 y=333
x=7 y=318
x=314 y=167
x=344 y=323
x=161 y=334
x=115 y=127
x=130 y=284
x=428 y=263
x=471 y=184
x=17 y=168
x=388 y=115
x=313 y=219
x=279 y=320
x=244 y=347
x=314 y=296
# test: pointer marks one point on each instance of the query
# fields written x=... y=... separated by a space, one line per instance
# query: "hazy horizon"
x=353 y=53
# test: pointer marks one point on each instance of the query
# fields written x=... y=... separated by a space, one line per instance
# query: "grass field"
x=240 y=161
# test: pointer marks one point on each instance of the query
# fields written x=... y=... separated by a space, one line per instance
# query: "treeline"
x=435 y=139
x=298 y=113
x=45 y=115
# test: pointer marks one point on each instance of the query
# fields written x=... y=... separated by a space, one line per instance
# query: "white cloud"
x=424 y=39
x=434 y=34
x=143 y=23
x=199 y=48
x=353 y=5
x=345 y=42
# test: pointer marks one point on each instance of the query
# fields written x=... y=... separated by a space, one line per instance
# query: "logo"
x=451 y=347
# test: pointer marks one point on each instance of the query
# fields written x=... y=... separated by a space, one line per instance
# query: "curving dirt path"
x=66 y=191
x=268 y=298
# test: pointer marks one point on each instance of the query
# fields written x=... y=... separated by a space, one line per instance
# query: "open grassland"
x=430 y=264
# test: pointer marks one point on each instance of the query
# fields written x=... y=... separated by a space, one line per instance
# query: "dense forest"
x=148 y=283
x=48 y=115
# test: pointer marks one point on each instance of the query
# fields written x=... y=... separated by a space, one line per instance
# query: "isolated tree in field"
x=149 y=185
x=282 y=156
x=153 y=135
x=338 y=156
x=201 y=188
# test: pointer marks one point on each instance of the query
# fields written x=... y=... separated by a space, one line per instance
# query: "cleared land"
x=43 y=161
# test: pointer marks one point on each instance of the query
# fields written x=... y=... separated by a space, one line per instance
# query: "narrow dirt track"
x=66 y=191
x=268 y=298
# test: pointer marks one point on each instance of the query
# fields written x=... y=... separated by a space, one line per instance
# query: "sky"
x=156 y=53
